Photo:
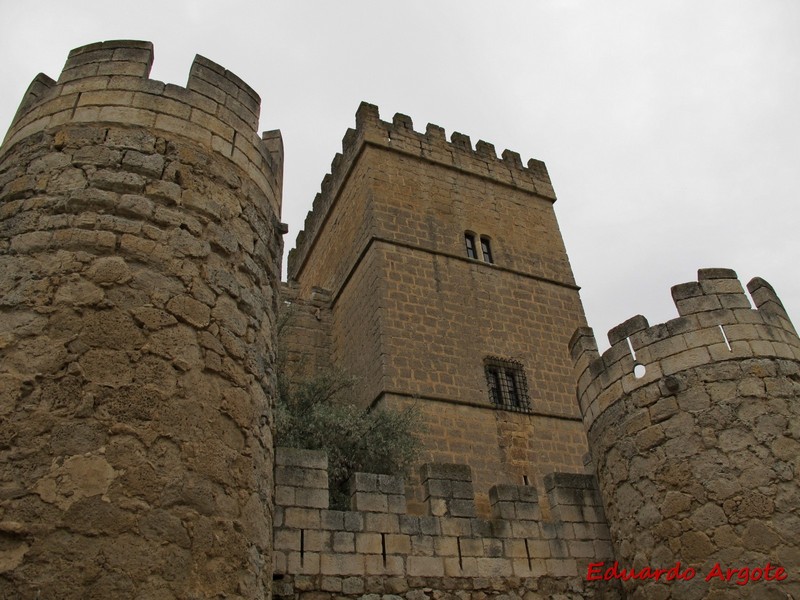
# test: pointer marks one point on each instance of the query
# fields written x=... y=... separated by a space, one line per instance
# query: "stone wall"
x=698 y=453
x=377 y=548
x=304 y=333
x=139 y=261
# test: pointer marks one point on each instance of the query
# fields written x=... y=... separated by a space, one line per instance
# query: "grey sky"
x=670 y=128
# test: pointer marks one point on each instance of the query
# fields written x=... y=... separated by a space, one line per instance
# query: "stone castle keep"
x=140 y=251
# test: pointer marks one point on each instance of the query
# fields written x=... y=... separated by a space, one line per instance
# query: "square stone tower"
x=437 y=275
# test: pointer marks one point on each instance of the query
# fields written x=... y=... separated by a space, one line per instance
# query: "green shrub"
x=315 y=415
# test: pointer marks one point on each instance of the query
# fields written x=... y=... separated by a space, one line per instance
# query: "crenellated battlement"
x=690 y=426
x=448 y=548
x=432 y=145
x=715 y=323
x=108 y=82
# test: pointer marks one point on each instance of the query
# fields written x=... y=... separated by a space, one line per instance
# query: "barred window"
x=469 y=241
x=508 y=387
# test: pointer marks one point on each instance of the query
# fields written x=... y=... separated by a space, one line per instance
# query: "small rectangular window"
x=469 y=241
x=508 y=388
x=486 y=248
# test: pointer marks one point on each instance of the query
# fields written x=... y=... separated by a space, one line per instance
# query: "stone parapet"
x=344 y=551
x=716 y=323
x=107 y=82
x=447 y=490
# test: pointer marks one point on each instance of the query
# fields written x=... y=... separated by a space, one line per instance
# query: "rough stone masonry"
x=698 y=451
x=140 y=250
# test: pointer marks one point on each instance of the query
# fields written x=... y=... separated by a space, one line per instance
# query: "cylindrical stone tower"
x=139 y=257
x=696 y=441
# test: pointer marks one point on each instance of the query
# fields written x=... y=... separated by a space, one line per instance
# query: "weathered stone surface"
x=129 y=469
x=153 y=318
x=714 y=465
x=396 y=313
x=189 y=310
x=77 y=478
x=109 y=270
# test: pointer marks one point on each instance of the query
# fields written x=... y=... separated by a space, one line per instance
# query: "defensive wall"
x=694 y=430
x=376 y=548
x=140 y=248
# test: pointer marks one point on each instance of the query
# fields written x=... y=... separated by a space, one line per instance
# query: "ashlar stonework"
x=384 y=288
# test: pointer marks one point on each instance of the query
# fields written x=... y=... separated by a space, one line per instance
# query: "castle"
x=140 y=281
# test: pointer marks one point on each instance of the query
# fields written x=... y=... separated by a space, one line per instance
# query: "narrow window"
x=486 y=248
x=511 y=387
x=508 y=388
x=493 y=375
x=469 y=242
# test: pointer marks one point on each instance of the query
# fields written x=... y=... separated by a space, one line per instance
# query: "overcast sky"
x=671 y=129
